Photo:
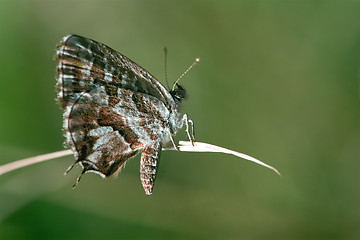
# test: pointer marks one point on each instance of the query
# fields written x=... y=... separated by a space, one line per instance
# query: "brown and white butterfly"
x=114 y=109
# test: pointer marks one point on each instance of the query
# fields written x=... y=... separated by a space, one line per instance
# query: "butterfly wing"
x=113 y=107
x=103 y=136
x=85 y=64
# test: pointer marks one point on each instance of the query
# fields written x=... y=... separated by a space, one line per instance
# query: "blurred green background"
x=278 y=80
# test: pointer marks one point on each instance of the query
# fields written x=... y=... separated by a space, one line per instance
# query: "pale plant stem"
x=32 y=160
x=184 y=146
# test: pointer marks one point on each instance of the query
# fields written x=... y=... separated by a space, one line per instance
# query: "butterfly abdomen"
x=148 y=165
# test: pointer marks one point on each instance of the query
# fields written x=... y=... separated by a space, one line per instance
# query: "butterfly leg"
x=69 y=168
x=78 y=179
x=187 y=121
x=173 y=142
x=192 y=130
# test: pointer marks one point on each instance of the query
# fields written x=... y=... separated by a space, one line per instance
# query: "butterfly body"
x=113 y=109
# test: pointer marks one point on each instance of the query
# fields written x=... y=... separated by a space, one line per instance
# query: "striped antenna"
x=165 y=66
x=195 y=62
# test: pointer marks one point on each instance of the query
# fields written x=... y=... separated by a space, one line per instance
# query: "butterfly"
x=114 y=109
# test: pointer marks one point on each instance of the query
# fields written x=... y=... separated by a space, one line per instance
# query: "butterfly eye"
x=179 y=93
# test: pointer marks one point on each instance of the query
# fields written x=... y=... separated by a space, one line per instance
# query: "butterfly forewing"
x=95 y=65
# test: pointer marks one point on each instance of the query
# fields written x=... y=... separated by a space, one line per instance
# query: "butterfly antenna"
x=195 y=62
x=165 y=66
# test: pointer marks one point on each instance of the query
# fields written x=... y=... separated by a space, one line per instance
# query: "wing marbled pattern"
x=95 y=65
x=113 y=108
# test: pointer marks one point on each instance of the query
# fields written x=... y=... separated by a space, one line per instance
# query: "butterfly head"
x=179 y=93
